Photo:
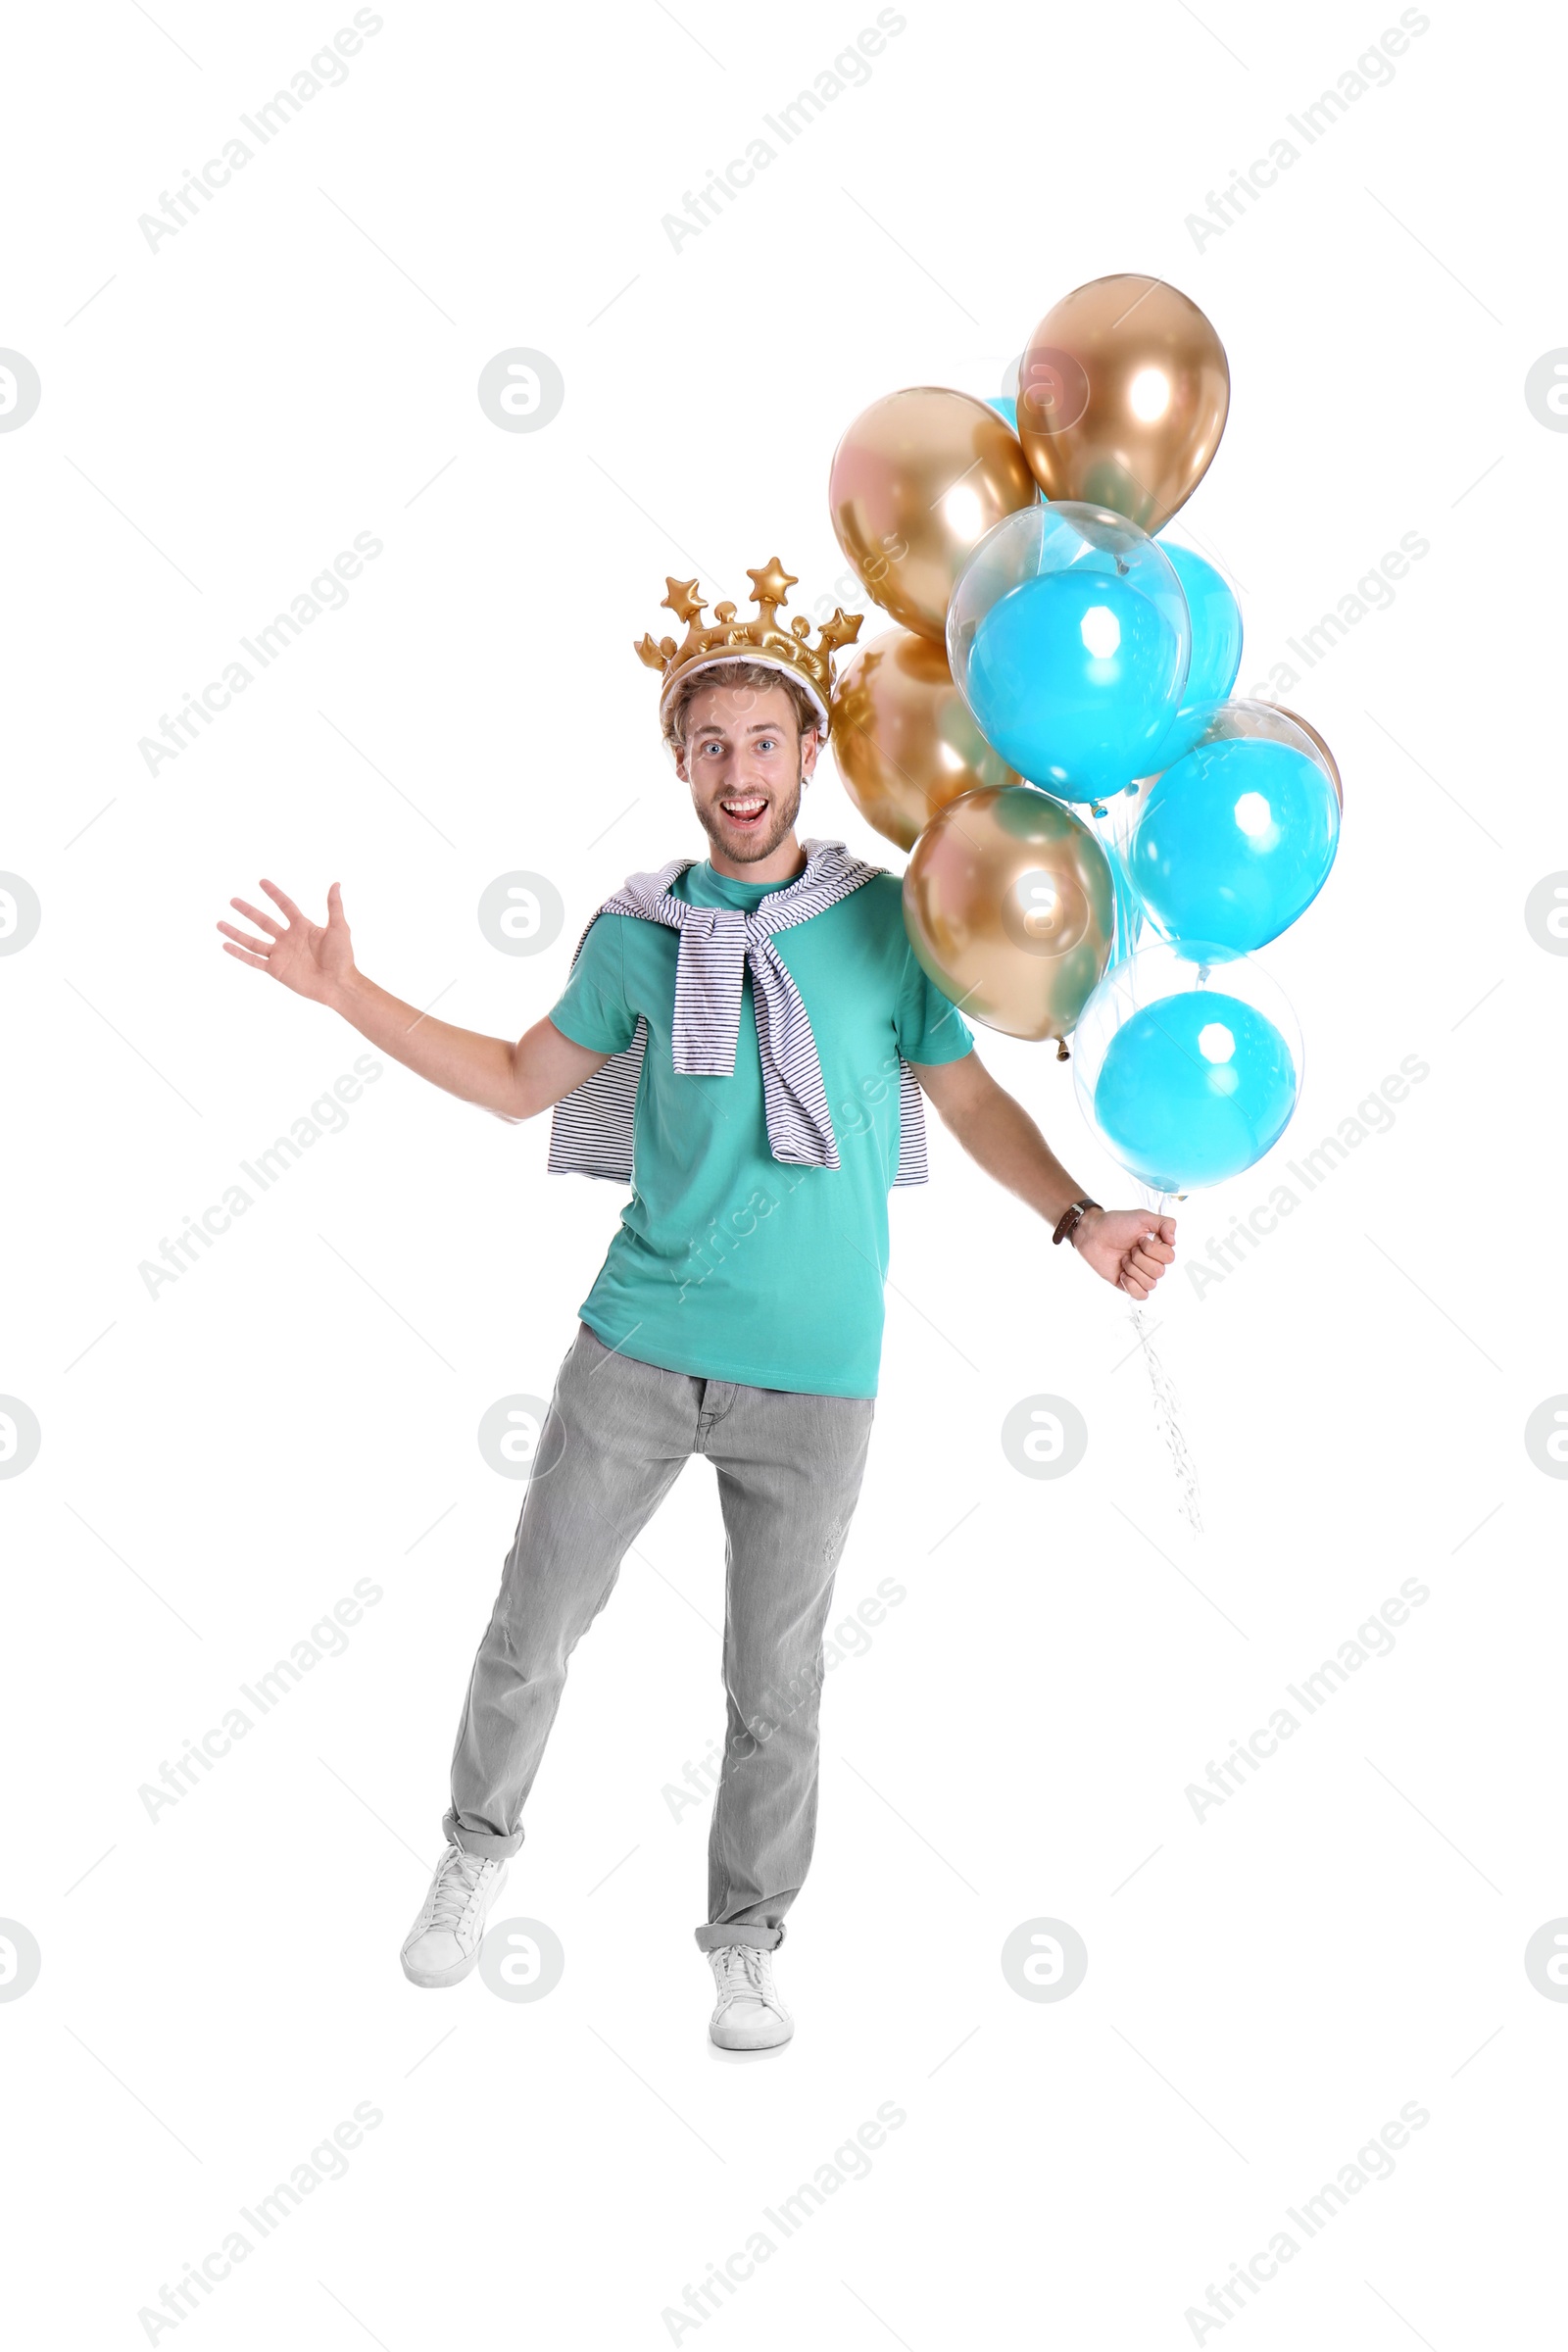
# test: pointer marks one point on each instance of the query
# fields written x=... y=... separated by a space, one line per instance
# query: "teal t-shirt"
x=730 y=1264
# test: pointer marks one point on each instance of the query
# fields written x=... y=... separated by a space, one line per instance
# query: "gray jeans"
x=613 y=1442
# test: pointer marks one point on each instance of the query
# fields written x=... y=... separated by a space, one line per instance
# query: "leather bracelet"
x=1071 y=1218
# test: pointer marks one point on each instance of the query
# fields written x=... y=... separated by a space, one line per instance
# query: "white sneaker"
x=443 y=1942
x=749 y=2015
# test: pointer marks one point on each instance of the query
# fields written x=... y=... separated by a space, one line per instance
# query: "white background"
x=220 y=1464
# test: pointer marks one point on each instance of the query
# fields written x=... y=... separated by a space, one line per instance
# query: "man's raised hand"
x=314 y=960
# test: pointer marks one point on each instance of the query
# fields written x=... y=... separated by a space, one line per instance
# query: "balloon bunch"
x=1100 y=838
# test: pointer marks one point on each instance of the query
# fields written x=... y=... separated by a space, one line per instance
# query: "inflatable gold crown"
x=758 y=640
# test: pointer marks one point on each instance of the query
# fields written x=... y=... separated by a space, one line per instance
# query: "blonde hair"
x=751 y=676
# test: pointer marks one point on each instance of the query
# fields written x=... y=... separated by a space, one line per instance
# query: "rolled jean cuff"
x=480 y=1841
x=713 y=1934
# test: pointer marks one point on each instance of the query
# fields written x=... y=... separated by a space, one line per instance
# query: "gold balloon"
x=1122 y=397
x=1009 y=907
x=1329 y=761
x=903 y=737
x=917 y=482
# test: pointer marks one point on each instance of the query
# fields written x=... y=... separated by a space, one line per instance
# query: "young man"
x=747 y=1042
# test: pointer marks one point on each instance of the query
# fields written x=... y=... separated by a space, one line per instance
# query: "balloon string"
x=1129 y=907
x=1168 y=1416
x=1167 y=1409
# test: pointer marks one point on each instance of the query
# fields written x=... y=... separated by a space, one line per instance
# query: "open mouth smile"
x=746 y=808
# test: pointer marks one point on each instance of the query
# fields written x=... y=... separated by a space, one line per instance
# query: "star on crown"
x=758 y=640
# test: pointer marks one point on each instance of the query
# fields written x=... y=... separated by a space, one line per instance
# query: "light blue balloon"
x=1234 y=842
x=1004 y=407
x=1193 y=1088
x=1216 y=650
x=1074 y=677
x=1216 y=628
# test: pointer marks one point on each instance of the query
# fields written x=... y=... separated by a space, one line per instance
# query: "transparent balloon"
x=1318 y=745
x=1233 y=840
x=1069 y=638
x=1186 y=1065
